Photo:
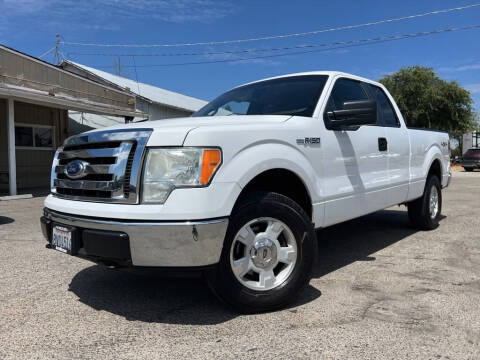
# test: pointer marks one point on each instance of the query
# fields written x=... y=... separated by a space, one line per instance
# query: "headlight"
x=169 y=168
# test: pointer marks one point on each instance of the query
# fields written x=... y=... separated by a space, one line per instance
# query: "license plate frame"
x=63 y=238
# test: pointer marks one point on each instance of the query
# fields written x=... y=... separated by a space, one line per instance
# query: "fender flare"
x=432 y=154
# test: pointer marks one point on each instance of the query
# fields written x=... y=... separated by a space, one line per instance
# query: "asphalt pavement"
x=382 y=290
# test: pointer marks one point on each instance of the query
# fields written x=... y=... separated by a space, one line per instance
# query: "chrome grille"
x=110 y=166
x=128 y=172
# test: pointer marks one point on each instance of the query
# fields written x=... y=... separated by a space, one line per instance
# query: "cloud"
x=473 y=88
x=108 y=11
x=474 y=66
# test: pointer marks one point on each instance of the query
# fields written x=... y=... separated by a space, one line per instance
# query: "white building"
x=158 y=103
x=470 y=140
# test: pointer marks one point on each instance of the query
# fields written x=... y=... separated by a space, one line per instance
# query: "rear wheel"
x=425 y=211
x=468 y=169
x=268 y=255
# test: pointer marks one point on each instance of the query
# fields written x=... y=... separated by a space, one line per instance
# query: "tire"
x=295 y=250
x=468 y=169
x=420 y=212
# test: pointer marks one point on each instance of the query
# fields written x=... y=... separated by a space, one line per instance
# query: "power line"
x=47 y=52
x=293 y=47
x=272 y=37
x=325 y=47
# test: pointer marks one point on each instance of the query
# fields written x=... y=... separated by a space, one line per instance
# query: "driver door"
x=354 y=160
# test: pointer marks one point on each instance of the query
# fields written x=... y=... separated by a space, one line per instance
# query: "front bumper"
x=151 y=243
x=449 y=179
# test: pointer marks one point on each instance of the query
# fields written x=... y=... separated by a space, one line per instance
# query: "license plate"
x=62 y=239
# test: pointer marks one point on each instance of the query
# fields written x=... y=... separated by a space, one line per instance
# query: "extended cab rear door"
x=355 y=175
x=398 y=146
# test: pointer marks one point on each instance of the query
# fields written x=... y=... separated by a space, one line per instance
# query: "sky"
x=31 y=26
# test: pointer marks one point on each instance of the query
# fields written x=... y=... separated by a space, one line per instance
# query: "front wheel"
x=268 y=255
x=425 y=212
x=468 y=169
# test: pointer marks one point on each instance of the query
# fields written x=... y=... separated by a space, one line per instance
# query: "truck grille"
x=100 y=166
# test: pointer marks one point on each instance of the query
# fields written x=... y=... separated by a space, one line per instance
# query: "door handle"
x=382 y=144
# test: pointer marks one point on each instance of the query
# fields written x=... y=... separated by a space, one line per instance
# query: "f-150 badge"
x=309 y=141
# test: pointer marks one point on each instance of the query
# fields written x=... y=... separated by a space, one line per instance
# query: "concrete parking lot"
x=382 y=290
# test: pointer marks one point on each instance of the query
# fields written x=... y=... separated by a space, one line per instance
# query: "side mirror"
x=354 y=113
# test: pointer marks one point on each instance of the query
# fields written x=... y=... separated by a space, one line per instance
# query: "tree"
x=426 y=101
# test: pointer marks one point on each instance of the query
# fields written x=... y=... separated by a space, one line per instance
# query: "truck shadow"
x=154 y=298
x=6 y=220
x=149 y=297
x=358 y=239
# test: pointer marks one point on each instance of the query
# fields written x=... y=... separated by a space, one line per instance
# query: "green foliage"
x=426 y=101
x=456 y=152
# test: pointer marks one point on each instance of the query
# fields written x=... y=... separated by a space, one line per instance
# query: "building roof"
x=153 y=93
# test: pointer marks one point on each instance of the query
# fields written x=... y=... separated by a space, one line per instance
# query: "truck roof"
x=328 y=72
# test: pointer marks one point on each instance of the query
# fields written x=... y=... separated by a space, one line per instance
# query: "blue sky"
x=31 y=25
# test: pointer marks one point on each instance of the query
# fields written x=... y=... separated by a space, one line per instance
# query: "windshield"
x=295 y=95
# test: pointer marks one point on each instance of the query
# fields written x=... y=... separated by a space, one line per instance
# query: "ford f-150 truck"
x=238 y=189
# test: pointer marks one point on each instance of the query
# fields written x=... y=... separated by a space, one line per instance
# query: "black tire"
x=419 y=209
x=222 y=280
x=468 y=169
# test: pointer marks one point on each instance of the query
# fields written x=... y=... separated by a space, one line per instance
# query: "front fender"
x=251 y=150
x=257 y=158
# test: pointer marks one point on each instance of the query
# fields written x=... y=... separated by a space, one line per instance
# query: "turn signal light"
x=211 y=161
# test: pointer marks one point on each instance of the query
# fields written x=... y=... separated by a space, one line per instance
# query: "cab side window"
x=343 y=91
x=385 y=112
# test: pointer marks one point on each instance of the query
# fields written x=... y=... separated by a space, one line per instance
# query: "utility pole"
x=56 y=57
x=118 y=67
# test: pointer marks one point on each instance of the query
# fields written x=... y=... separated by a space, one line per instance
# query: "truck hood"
x=172 y=132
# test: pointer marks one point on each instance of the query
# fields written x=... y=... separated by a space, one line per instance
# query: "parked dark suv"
x=471 y=160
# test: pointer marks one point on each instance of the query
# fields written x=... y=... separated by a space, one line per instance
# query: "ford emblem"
x=76 y=169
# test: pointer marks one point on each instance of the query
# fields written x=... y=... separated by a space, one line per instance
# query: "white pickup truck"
x=238 y=189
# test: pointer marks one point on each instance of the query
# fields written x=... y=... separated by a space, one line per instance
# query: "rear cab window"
x=385 y=112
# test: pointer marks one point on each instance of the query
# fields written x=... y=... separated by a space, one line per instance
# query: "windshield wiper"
x=290 y=112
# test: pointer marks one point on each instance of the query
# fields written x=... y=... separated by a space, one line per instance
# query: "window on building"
x=476 y=139
x=23 y=136
x=34 y=136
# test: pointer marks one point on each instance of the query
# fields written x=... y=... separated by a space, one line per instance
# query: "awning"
x=28 y=79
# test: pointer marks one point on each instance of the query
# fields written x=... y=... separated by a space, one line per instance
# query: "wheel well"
x=281 y=181
x=436 y=169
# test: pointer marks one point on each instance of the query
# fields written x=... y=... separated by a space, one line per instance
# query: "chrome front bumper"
x=449 y=179
x=163 y=244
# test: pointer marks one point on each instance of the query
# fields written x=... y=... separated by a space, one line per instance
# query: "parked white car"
x=238 y=189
